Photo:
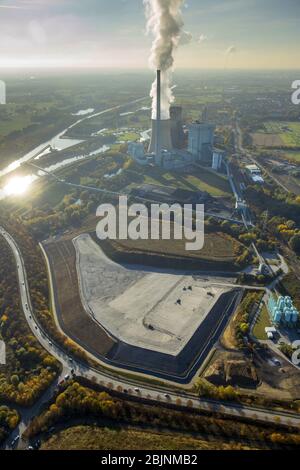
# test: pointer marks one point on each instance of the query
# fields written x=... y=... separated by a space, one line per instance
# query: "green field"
x=14 y=122
x=217 y=247
x=96 y=438
x=128 y=137
x=202 y=179
x=289 y=132
x=293 y=156
x=262 y=322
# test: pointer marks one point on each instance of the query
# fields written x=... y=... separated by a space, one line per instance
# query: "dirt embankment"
x=120 y=255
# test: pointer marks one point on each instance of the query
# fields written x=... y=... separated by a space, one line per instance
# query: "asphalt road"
x=149 y=392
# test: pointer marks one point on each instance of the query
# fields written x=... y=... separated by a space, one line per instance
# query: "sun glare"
x=17 y=186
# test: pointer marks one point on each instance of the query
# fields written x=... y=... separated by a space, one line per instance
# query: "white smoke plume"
x=229 y=52
x=165 y=22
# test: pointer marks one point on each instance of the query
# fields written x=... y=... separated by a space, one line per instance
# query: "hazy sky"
x=111 y=33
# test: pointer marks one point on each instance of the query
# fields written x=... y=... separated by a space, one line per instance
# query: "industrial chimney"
x=158 y=155
x=161 y=129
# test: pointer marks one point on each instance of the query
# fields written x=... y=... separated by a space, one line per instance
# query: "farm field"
x=261 y=139
x=278 y=134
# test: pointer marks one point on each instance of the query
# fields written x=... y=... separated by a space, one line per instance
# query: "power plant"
x=173 y=148
x=161 y=129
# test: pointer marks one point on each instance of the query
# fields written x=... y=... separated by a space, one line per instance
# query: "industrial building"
x=254 y=173
x=169 y=146
x=283 y=311
x=270 y=332
x=136 y=150
x=218 y=159
x=177 y=134
x=201 y=140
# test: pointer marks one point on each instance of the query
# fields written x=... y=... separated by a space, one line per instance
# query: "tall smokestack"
x=158 y=149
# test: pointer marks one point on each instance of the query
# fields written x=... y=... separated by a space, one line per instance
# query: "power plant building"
x=136 y=150
x=201 y=140
x=177 y=134
x=217 y=159
x=167 y=146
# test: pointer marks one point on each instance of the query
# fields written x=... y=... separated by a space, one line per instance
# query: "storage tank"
x=287 y=314
x=295 y=315
x=277 y=316
x=281 y=303
x=288 y=302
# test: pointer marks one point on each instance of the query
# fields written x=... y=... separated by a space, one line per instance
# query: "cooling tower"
x=161 y=129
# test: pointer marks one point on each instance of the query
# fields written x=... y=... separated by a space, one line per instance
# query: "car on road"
x=167 y=396
x=137 y=390
x=50 y=344
x=67 y=377
x=15 y=440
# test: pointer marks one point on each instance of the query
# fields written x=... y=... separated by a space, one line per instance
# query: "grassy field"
x=202 y=179
x=128 y=137
x=262 y=322
x=290 y=286
x=278 y=133
x=229 y=338
x=217 y=247
x=96 y=438
x=17 y=123
x=289 y=132
x=293 y=156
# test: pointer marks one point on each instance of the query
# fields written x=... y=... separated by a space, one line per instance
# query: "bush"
x=295 y=244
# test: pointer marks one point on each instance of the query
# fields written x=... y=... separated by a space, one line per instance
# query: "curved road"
x=149 y=392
